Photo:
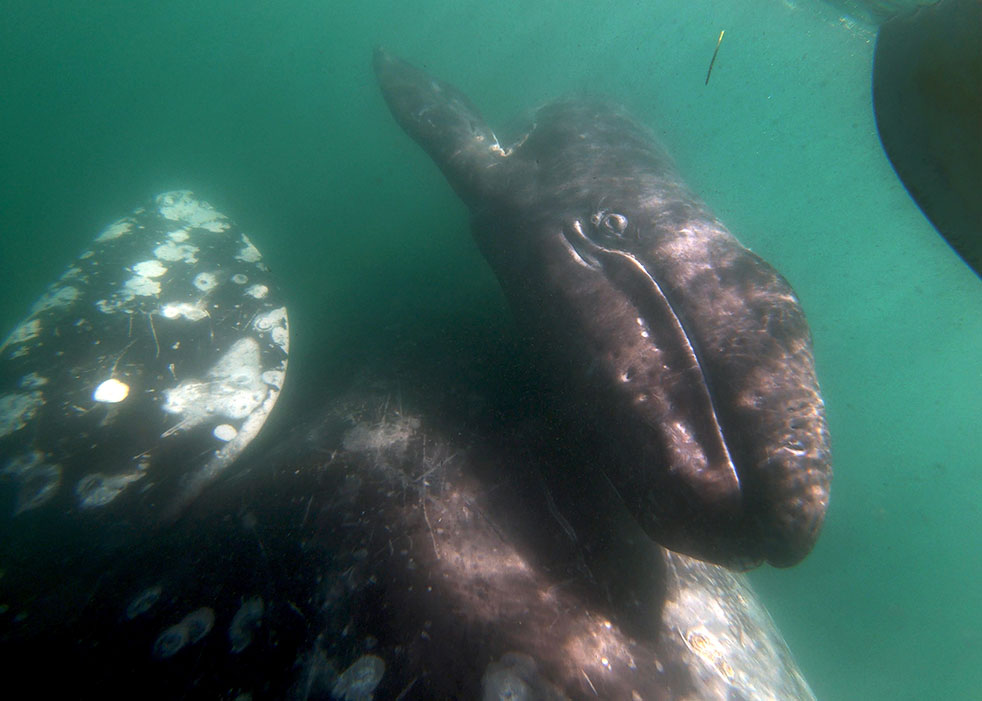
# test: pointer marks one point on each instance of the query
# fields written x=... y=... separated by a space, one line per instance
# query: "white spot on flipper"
x=139 y=286
x=248 y=253
x=190 y=630
x=183 y=206
x=358 y=682
x=32 y=381
x=275 y=322
x=115 y=230
x=170 y=641
x=22 y=333
x=246 y=620
x=143 y=602
x=199 y=623
x=225 y=432
x=55 y=297
x=17 y=409
x=205 y=282
x=240 y=279
x=38 y=481
x=257 y=291
x=274 y=378
x=191 y=312
x=150 y=268
x=232 y=388
x=174 y=252
x=112 y=391
x=99 y=489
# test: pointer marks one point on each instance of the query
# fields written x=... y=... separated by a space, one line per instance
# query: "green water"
x=269 y=110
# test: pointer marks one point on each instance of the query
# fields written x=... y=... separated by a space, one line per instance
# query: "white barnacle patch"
x=358 y=681
x=274 y=378
x=98 y=489
x=32 y=381
x=275 y=323
x=115 y=230
x=248 y=253
x=17 y=409
x=178 y=235
x=390 y=436
x=225 y=432
x=112 y=391
x=70 y=274
x=191 y=312
x=143 y=602
x=257 y=291
x=205 y=282
x=231 y=389
x=55 y=297
x=174 y=252
x=150 y=268
x=38 y=480
x=644 y=327
x=106 y=307
x=23 y=333
x=240 y=279
x=245 y=622
x=139 y=286
x=183 y=206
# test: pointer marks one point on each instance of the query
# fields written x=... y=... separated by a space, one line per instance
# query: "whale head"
x=687 y=354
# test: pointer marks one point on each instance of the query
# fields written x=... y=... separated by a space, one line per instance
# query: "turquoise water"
x=270 y=111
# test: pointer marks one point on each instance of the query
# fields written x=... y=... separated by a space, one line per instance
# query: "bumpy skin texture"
x=689 y=354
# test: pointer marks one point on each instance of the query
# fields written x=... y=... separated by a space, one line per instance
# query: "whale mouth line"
x=578 y=244
x=651 y=301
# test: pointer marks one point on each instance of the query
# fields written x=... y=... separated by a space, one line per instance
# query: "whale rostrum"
x=680 y=353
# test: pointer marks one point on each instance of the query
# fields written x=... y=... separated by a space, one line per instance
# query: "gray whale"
x=686 y=352
x=419 y=532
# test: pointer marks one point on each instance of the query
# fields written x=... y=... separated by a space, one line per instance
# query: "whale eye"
x=614 y=223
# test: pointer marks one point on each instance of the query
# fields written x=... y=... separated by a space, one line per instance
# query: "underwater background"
x=270 y=111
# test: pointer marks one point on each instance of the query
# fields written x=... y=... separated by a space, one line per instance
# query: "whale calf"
x=687 y=354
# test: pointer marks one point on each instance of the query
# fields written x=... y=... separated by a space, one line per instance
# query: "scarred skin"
x=686 y=352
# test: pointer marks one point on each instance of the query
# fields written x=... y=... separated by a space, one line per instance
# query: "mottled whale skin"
x=688 y=352
x=384 y=548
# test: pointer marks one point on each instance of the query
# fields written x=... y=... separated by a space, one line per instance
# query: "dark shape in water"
x=927 y=95
x=687 y=352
